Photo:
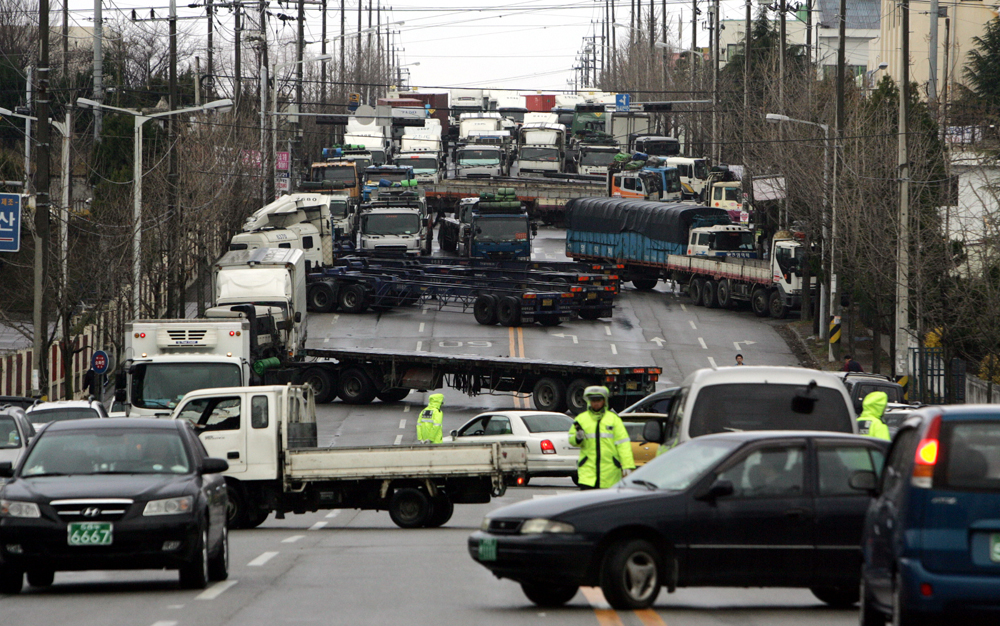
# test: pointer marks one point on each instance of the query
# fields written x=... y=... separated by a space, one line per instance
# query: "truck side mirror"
x=298 y=317
x=6 y=469
x=120 y=395
x=534 y=229
x=120 y=380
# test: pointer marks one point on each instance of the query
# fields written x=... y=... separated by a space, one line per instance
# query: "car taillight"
x=927 y=456
x=548 y=447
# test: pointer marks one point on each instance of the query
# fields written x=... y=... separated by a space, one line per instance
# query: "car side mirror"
x=864 y=480
x=719 y=489
x=652 y=432
x=120 y=395
x=454 y=433
x=6 y=469
x=298 y=317
x=212 y=465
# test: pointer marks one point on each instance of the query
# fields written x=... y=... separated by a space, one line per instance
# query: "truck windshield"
x=162 y=385
x=361 y=162
x=700 y=169
x=539 y=154
x=390 y=224
x=733 y=241
x=339 y=209
x=673 y=180
x=515 y=115
x=479 y=157
x=378 y=157
x=602 y=159
x=502 y=229
x=659 y=148
x=423 y=165
x=335 y=174
x=372 y=178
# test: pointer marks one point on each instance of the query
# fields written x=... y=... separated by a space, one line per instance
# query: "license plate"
x=546 y=302
x=488 y=549
x=592 y=296
x=995 y=547
x=631 y=385
x=90 y=534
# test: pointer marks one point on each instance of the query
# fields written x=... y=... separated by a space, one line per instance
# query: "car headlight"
x=170 y=506
x=537 y=526
x=12 y=508
x=485 y=525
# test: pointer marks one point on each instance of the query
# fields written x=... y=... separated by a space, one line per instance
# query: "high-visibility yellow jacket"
x=870 y=421
x=429 y=422
x=605 y=448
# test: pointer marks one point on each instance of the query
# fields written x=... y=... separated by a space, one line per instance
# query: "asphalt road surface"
x=351 y=567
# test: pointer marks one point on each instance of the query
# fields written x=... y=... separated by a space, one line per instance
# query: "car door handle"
x=232 y=455
x=799 y=513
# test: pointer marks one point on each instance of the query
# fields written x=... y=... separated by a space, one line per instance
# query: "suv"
x=860 y=384
x=60 y=410
x=932 y=535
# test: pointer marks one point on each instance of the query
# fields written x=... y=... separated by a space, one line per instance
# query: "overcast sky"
x=523 y=44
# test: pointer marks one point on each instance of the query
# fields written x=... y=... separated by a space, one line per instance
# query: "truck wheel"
x=575 y=402
x=256 y=516
x=392 y=395
x=321 y=382
x=708 y=295
x=509 y=311
x=356 y=387
x=645 y=284
x=485 y=309
x=723 y=294
x=409 y=508
x=322 y=299
x=443 y=508
x=550 y=395
x=236 y=506
x=759 y=302
x=694 y=290
x=777 y=307
x=590 y=314
x=548 y=320
x=353 y=299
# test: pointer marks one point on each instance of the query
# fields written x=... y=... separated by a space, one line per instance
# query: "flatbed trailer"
x=358 y=376
x=545 y=198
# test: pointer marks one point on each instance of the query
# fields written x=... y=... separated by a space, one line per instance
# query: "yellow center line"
x=648 y=617
x=606 y=616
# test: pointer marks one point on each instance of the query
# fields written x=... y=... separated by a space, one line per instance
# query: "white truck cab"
x=392 y=230
x=723 y=240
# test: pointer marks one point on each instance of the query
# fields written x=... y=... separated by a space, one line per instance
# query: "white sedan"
x=545 y=434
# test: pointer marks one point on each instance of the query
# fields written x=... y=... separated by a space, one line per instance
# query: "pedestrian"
x=89 y=378
x=870 y=421
x=430 y=420
x=850 y=365
x=739 y=359
x=605 y=447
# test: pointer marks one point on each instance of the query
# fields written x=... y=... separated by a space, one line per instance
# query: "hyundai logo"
x=91 y=511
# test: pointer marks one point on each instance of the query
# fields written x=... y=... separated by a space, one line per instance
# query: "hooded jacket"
x=870 y=421
x=605 y=447
x=429 y=423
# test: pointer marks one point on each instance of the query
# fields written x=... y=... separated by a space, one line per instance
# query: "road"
x=350 y=567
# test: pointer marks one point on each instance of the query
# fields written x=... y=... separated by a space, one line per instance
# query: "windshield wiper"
x=644 y=483
x=44 y=474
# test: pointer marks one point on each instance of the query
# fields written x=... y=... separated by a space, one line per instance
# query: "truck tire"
x=322 y=299
x=708 y=295
x=549 y=394
x=393 y=395
x=356 y=387
x=509 y=311
x=694 y=290
x=409 y=508
x=321 y=381
x=575 y=402
x=645 y=284
x=485 y=309
x=776 y=305
x=236 y=505
x=548 y=319
x=590 y=314
x=723 y=294
x=759 y=302
x=443 y=509
x=353 y=299
x=256 y=516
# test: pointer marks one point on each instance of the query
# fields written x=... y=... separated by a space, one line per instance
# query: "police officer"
x=429 y=422
x=870 y=421
x=605 y=447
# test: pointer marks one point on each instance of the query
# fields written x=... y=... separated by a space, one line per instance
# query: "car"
x=656 y=402
x=748 y=509
x=98 y=494
x=643 y=450
x=42 y=413
x=18 y=401
x=860 y=384
x=546 y=435
x=15 y=433
x=932 y=533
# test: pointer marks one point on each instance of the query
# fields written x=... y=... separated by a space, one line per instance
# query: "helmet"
x=596 y=391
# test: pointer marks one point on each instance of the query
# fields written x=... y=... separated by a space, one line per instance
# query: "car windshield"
x=423 y=165
x=107 y=451
x=44 y=416
x=479 y=157
x=162 y=385
x=547 y=423
x=501 y=230
x=539 y=154
x=598 y=158
x=678 y=468
x=335 y=174
x=971 y=457
x=390 y=224
x=765 y=406
x=11 y=438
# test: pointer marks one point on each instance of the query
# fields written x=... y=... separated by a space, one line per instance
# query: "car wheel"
x=11 y=580
x=256 y=517
x=867 y=613
x=630 y=575
x=194 y=574
x=708 y=295
x=694 y=290
x=356 y=387
x=509 y=311
x=575 y=402
x=590 y=314
x=839 y=597
x=409 y=508
x=548 y=320
x=723 y=294
x=549 y=394
x=41 y=577
x=549 y=595
x=218 y=565
x=443 y=508
x=645 y=284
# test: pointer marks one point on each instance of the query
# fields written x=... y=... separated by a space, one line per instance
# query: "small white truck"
x=268 y=436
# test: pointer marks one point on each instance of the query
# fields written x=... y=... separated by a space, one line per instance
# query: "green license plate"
x=90 y=534
x=488 y=549
x=546 y=302
x=994 y=547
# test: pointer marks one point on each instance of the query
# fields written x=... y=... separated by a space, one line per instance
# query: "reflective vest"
x=605 y=448
x=870 y=421
x=430 y=420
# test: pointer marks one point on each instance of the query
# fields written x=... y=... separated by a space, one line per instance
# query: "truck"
x=728 y=195
x=467 y=101
x=593 y=159
x=693 y=172
x=651 y=241
x=268 y=436
x=655 y=145
x=641 y=177
x=436 y=105
x=541 y=149
x=337 y=173
x=539 y=102
x=481 y=160
x=423 y=152
x=377 y=176
x=470 y=122
x=377 y=146
x=394 y=223
x=493 y=226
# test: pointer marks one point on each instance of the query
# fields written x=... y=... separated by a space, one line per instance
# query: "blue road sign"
x=623 y=102
x=100 y=362
x=10 y=222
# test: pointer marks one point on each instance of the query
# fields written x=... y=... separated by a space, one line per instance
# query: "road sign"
x=623 y=102
x=365 y=114
x=281 y=161
x=353 y=102
x=10 y=222
x=282 y=183
x=100 y=362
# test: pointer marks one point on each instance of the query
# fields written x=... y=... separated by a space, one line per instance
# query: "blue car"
x=931 y=541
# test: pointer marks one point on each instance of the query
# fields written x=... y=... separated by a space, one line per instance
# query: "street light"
x=870 y=73
x=776 y=118
x=139 y=119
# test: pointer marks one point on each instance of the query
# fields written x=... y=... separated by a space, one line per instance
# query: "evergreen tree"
x=983 y=68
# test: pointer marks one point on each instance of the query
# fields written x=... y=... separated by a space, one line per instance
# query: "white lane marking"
x=164 y=623
x=614 y=349
x=607 y=331
x=292 y=539
x=317 y=525
x=402 y=423
x=332 y=514
x=684 y=308
x=711 y=362
x=399 y=440
x=326 y=340
x=424 y=311
x=213 y=592
x=702 y=342
x=406 y=409
x=263 y=558
x=693 y=327
x=336 y=316
x=421 y=329
x=175 y=606
x=420 y=346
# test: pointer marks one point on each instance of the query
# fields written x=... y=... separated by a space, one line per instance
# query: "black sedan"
x=754 y=509
x=113 y=494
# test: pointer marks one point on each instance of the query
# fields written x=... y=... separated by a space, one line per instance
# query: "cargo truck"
x=493 y=226
x=394 y=223
x=541 y=149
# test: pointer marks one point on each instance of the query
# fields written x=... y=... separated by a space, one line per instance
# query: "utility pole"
x=266 y=157
x=322 y=65
x=809 y=33
x=838 y=132
x=65 y=40
x=210 y=69
x=945 y=91
x=342 y=79
x=614 y=50
x=903 y=244
x=30 y=98
x=782 y=37
x=40 y=318
x=932 y=55
x=716 y=148
x=176 y=247
x=694 y=46
x=237 y=49
x=98 y=68
x=296 y=143
x=747 y=45
x=357 y=58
